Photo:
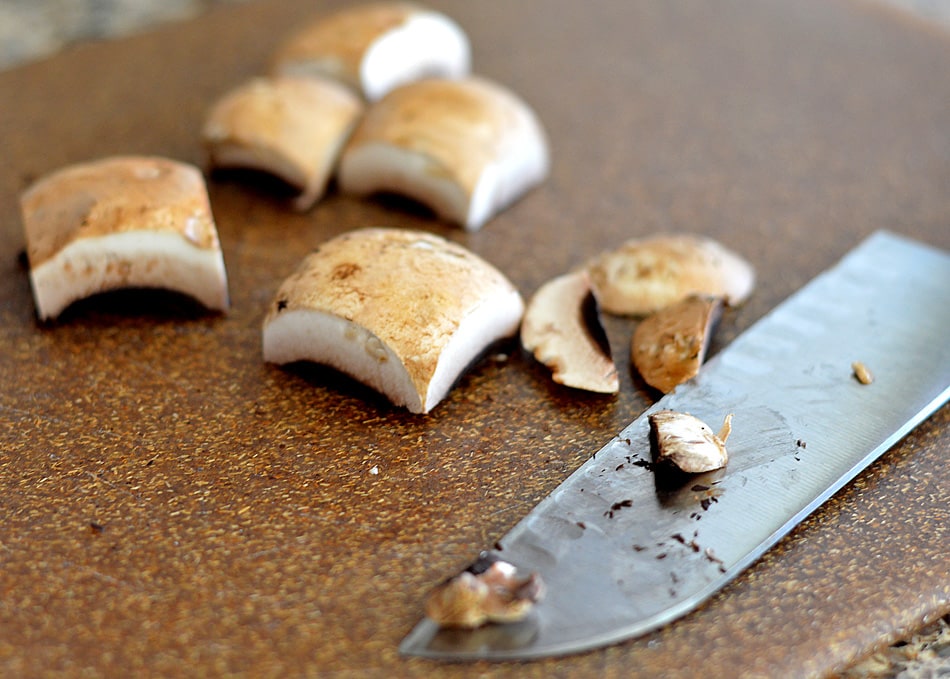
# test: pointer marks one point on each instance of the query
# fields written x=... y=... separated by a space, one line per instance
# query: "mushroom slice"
x=376 y=47
x=645 y=275
x=562 y=328
x=293 y=128
x=121 y=222
x=687 y=443
x=669 y=346
x=491 y=590
x=404 y=312
x=466 y=148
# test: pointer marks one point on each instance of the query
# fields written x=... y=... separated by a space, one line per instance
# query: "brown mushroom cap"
x=467 y=148
x=291 y=127
x=376 y=47
x=125 y=221
x=644 y=275
x=669 y=346
x=686 y=442
x=557 y=329
x=405 y=312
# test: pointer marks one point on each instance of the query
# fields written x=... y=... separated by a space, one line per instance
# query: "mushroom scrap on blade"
x=404 y=312
x=121 y=222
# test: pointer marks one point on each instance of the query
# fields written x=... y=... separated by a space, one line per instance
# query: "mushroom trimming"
x=644 y=275
x=376 y=47
x=562 y=328
x=293 y=128
x=491 y=591
x=402 y=311
x=687 y=443
x=466 y=148
x=121 y=222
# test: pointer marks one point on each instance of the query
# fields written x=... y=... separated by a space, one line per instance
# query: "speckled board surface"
x=172 y=504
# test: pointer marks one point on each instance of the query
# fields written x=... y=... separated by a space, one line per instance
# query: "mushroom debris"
x=466 y=148
x=645 y=275
x=490 y=591
x=121 y=222
x=293 y=128
x=687 y=443
x=669 y=346
x=563 y=329
x=376 y=47
x=402 y=311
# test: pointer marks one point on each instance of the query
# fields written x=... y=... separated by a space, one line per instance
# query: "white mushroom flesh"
x=294 y=128
x=645 y=275
x=466 y=148
x=376 y=47
x=404 y=312
x=687 y=442
x=562 y=329
x=121 y=222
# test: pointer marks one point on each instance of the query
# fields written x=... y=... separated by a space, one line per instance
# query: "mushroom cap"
x=467 y=148
x=376 y=47
x=119 y=222
x=557 y=329
x=669 y=346
x=644 y=275
x=403 y=311
x=291 y=127
x=687 y=442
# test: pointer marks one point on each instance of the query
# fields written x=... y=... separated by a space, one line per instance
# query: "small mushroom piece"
x=376 y=47
x=402 y=311
x=562 y=328
x=669 y=346
x=644 y=275
x=466 y=148
x=294 y=128
x=487 y=593
x=121 y=222
x=687 y=443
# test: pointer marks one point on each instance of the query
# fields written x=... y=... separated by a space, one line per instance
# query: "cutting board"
x=169 y=503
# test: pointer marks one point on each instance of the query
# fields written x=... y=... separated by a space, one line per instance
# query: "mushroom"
x=490 y=591
x=467 y=148
x=403 y=311
x=124 y=221
x=562 y=328
x=291 y=127
x=645 y=275
x=670 y=345
x=376 y=47
x=687 y=443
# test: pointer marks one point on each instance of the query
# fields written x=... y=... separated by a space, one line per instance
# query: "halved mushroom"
x=467 y=148
x=642 y=276
x=121 y=222
x=293 y=128
x=562 y=328
x=404 y=312
x=687 y=443
x=376 y=47
x=670 y=345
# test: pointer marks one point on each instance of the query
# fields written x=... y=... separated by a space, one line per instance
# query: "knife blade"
x=623 y=551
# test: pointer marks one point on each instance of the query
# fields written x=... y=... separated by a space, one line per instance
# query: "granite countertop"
x=34 y=29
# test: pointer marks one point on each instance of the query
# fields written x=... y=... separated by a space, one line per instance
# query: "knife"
x=622 y=551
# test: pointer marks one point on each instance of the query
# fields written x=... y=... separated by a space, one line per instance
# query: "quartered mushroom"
x=562 y=328
x=121 y=222
x=466 y=148
x=402 y=311
x=669 y=346
x=687 y=443
x=491 y=591
x=376 y=47
x=293 y=128
x=644 y=275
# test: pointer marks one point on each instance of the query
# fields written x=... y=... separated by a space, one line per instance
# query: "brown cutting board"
x=171 y=504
